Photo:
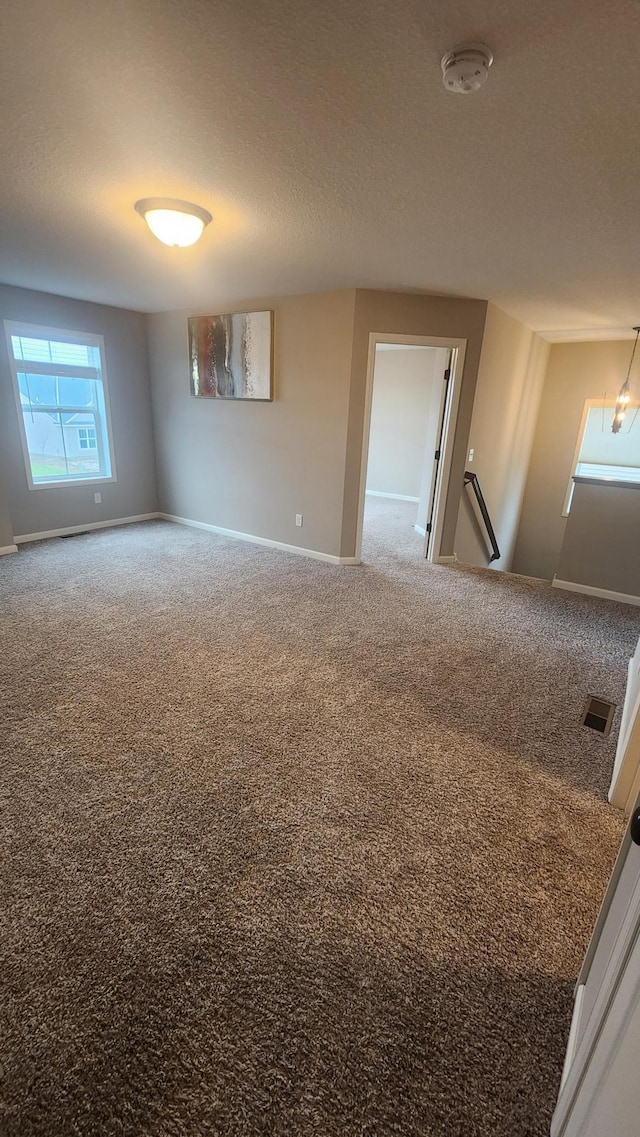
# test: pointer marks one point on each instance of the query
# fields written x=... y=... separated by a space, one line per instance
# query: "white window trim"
x=92 y=339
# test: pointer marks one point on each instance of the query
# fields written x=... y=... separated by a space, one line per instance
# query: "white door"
x=434 y=442
x=600 y=1093
x=625 y=783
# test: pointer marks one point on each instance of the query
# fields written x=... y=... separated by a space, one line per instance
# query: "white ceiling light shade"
x=466 y=68
x=176 y=223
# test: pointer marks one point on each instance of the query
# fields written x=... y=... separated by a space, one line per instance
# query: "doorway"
x=410 y=412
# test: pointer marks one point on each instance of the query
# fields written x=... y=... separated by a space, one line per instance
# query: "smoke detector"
x=465 y=69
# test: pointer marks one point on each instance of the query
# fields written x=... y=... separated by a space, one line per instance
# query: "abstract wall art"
x=230 y=356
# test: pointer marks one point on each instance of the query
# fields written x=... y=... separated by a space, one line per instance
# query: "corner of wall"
x=511 y=375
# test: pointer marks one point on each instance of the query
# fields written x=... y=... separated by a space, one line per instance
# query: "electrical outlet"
x=472 y=454
x=298 y=519
x=97 y=497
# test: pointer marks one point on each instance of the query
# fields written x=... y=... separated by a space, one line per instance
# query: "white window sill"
x=100 y=479
x=615 y=483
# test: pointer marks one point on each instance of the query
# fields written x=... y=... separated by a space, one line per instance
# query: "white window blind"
x=51 y=351
x=608 y=473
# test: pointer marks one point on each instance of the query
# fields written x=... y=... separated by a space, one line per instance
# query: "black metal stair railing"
x=471 y=479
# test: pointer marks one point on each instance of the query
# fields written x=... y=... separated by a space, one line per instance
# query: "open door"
x=435 y=471
x=600 y=1091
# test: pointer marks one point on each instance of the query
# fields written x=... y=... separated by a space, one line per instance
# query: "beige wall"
x=420 y=315
x=601 y=546
x=134 y=492
x=510 y=381
x=251 y=466
x=402 y=387
x=576 y=372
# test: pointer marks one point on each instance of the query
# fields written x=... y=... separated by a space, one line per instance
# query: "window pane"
x=56 y=447
x=52 y=391
x=75 y=392
x=37 y=390
x=46 y=445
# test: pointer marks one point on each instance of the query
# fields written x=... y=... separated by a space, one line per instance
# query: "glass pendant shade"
x=624 y=395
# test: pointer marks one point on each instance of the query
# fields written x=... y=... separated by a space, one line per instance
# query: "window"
x=87 y=437
x=602 y=454
x=61 y=391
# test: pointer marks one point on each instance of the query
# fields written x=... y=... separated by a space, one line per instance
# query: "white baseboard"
x=589 y=590
x=393 y=496
x=525 y=576
x=4 y=549
x=453 y=560
x=24 y=537
x=315 y=554
x=419 y=529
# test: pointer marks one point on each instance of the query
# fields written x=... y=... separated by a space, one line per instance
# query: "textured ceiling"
x=320 y=137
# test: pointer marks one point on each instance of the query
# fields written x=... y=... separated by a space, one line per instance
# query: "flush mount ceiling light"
x=466 y=68
x=177 y=223
x=624 y=395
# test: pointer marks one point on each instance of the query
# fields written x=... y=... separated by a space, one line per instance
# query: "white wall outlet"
x=298 y=519
x=97 y=497
x=472 y=455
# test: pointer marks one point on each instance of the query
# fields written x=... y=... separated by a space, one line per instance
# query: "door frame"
x=433 y=540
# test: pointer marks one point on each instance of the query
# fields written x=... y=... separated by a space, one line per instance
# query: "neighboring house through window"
x=602 y=454
x=60 y=385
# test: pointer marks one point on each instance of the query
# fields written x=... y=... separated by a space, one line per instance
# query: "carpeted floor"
x=290 y=849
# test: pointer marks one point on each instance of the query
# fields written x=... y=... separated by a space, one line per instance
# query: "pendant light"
x=624 y=398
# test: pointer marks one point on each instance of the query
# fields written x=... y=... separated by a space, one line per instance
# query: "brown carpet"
x=290 y=849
